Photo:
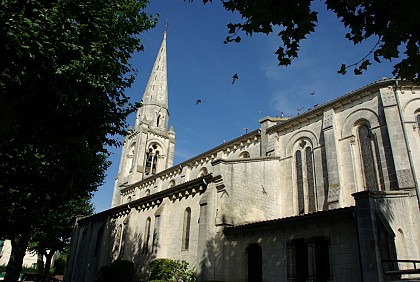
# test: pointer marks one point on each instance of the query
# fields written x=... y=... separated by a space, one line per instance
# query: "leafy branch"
x=363 y=63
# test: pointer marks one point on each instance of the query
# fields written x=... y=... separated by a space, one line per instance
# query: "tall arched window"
x=130 y=159
x=299 y=182
x=186 y=229
x=367 y=146
x=98 y=243
x=117 y=239
x=155 y=162
x=305 y=179
x=310 y=179
x=156 y=233
x=148 y=162
x=146 y=236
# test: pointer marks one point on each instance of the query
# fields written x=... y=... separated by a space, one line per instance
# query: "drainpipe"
x=410 y=158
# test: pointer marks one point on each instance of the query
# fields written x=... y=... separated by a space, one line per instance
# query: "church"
x=329 y=195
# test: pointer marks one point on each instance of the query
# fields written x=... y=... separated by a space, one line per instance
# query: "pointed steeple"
x=155 y=97
x=150 y=146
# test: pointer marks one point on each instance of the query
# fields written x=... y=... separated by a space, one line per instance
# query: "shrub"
x=171 y=270
x=119 y=270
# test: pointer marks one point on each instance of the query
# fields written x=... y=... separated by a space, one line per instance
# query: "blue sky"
x=200 y=66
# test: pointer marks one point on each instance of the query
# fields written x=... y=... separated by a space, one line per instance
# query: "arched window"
x=147 y=192
x=152 y=158
x=146 y=236
x=186 y=229
x=305 y=180
x=171 y=183
x=367 y=146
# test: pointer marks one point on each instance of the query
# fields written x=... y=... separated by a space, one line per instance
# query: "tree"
x=63 y=73
x=53 y=232
x=393 y=23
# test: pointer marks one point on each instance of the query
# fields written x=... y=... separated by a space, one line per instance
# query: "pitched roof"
x=292 y=220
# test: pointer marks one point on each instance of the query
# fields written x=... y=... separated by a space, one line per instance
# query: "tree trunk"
x=14 y=267
x=48 y=258
x=40 y=262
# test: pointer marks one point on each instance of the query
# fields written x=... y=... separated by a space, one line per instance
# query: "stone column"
x=371 y=264
x=396 y=136
x=330 y=147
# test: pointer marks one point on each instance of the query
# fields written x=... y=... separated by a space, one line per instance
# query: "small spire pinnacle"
x=166 y=25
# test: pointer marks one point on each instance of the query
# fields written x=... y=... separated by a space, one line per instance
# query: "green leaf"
x=343 y=69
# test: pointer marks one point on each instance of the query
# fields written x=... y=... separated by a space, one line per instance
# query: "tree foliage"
x=393 y=23
x=54 y=230
x=63 y=73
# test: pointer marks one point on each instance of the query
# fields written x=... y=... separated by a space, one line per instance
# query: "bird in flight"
x=198 y=101
x=235 y=77
x=312 y=93
x=300 y=109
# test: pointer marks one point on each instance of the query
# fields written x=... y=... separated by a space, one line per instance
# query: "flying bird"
x=198 y=101
x=300 y=109
x=312 y=93
x=235 y=77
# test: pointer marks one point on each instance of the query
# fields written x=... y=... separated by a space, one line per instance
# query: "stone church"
x=328 y=195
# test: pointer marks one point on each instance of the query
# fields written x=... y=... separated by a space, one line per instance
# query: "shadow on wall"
x=141 y=253
x=221 y=260
x=133 y=246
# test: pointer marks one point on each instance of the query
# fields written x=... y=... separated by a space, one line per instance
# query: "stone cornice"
x=192 y=187
x=340 y=101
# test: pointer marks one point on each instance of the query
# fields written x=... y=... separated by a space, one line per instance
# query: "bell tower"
x=149 y=146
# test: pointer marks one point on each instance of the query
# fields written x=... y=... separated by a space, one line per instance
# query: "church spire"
x=155 y=97
x=150 y=146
